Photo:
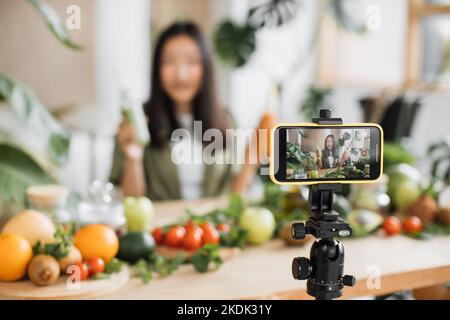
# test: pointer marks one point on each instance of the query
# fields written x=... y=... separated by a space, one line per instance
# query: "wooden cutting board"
x=25 y=289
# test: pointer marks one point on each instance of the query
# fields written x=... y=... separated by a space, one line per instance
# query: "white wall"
x=122 y=62
x=278 y=51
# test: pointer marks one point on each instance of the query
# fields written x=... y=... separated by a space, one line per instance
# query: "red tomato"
x=412 y=224
x=223 y=227
x=96 y=265
x=158 y=235
x=189 y=224
x=392 y=225
x=80 y=269
x=192 y=226
x=210 y=234
x=174 y=238
x=192 y=240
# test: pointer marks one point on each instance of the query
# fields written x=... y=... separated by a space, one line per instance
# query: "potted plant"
x=310 y=165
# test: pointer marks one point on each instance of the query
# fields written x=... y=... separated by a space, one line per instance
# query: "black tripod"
x=324 y=270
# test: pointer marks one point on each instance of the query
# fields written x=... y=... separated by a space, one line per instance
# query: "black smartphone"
x=311 y=153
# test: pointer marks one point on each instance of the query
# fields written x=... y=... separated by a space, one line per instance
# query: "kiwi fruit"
x=43 y=270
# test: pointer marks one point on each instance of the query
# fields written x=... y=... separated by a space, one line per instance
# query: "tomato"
x=192 y=240
x=174 y=238
x=223 y=227
x=158 y=235
x=210 y=233
x=392 y=225
x=79 y=268
x=189 y=224
x=412 y=224
x=96 y=265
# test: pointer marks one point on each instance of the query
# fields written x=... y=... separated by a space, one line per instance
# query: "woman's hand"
x=127 y=140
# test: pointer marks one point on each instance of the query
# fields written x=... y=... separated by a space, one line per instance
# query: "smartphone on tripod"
x=324 y=155
x=310 y=153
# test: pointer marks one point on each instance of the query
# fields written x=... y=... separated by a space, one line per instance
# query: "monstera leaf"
x=19 y=169
x=234 y=44
x=31 y=112
x=344 y=19
x=439 y=154
x=273 y=13
x=53 y=23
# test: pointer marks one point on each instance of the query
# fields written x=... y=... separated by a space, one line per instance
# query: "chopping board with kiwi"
x=65 y=288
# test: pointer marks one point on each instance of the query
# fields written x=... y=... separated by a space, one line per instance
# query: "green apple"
x=407 y=193
x=259 y=224
x=139 y=213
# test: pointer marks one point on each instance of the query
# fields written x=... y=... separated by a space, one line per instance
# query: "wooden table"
x=265 y=271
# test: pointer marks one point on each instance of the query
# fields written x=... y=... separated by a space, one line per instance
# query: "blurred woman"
x=182 y=91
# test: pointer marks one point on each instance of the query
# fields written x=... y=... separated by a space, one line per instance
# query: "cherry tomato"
x=412 y=224
x=210 y=233
x=193 y=226
x=158 y=235
x=223 y=227
x=189 y=224
x=80 y=268
x=95 y=265
x=392 y=225
x=192 y=240
x=174 y=238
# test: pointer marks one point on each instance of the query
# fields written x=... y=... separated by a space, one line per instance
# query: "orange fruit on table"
x=15 y=254
x=96 y=240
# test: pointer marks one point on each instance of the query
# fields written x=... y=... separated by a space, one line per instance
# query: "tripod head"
x=325 y=268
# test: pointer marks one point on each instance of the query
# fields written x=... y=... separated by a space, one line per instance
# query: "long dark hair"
x=325 y=149
x=160 y=108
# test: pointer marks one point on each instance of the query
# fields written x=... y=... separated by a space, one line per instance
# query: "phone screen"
x=327 y=153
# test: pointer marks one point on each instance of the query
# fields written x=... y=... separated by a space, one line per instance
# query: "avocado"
x=135 y=245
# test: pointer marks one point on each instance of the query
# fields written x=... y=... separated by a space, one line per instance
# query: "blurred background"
x=378 y=60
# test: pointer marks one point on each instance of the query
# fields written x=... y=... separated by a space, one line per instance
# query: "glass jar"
x=50 y=200
x=104 y=204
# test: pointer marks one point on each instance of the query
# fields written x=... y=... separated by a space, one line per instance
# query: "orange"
x=15 y=254
x=96 y=240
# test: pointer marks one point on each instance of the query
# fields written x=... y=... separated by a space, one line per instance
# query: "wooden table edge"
x=389 y=283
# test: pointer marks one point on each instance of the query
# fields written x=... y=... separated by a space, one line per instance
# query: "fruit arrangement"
x=32 y=246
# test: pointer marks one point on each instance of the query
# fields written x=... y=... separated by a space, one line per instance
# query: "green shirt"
x=161 y=176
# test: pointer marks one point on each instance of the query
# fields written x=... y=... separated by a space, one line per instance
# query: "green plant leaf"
x=18 y=171
x=273 y=13
x=234 y=44
x=30 y=111
x=345 y=20
x=54 y=24
x=209 y=253
x=315 y=100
